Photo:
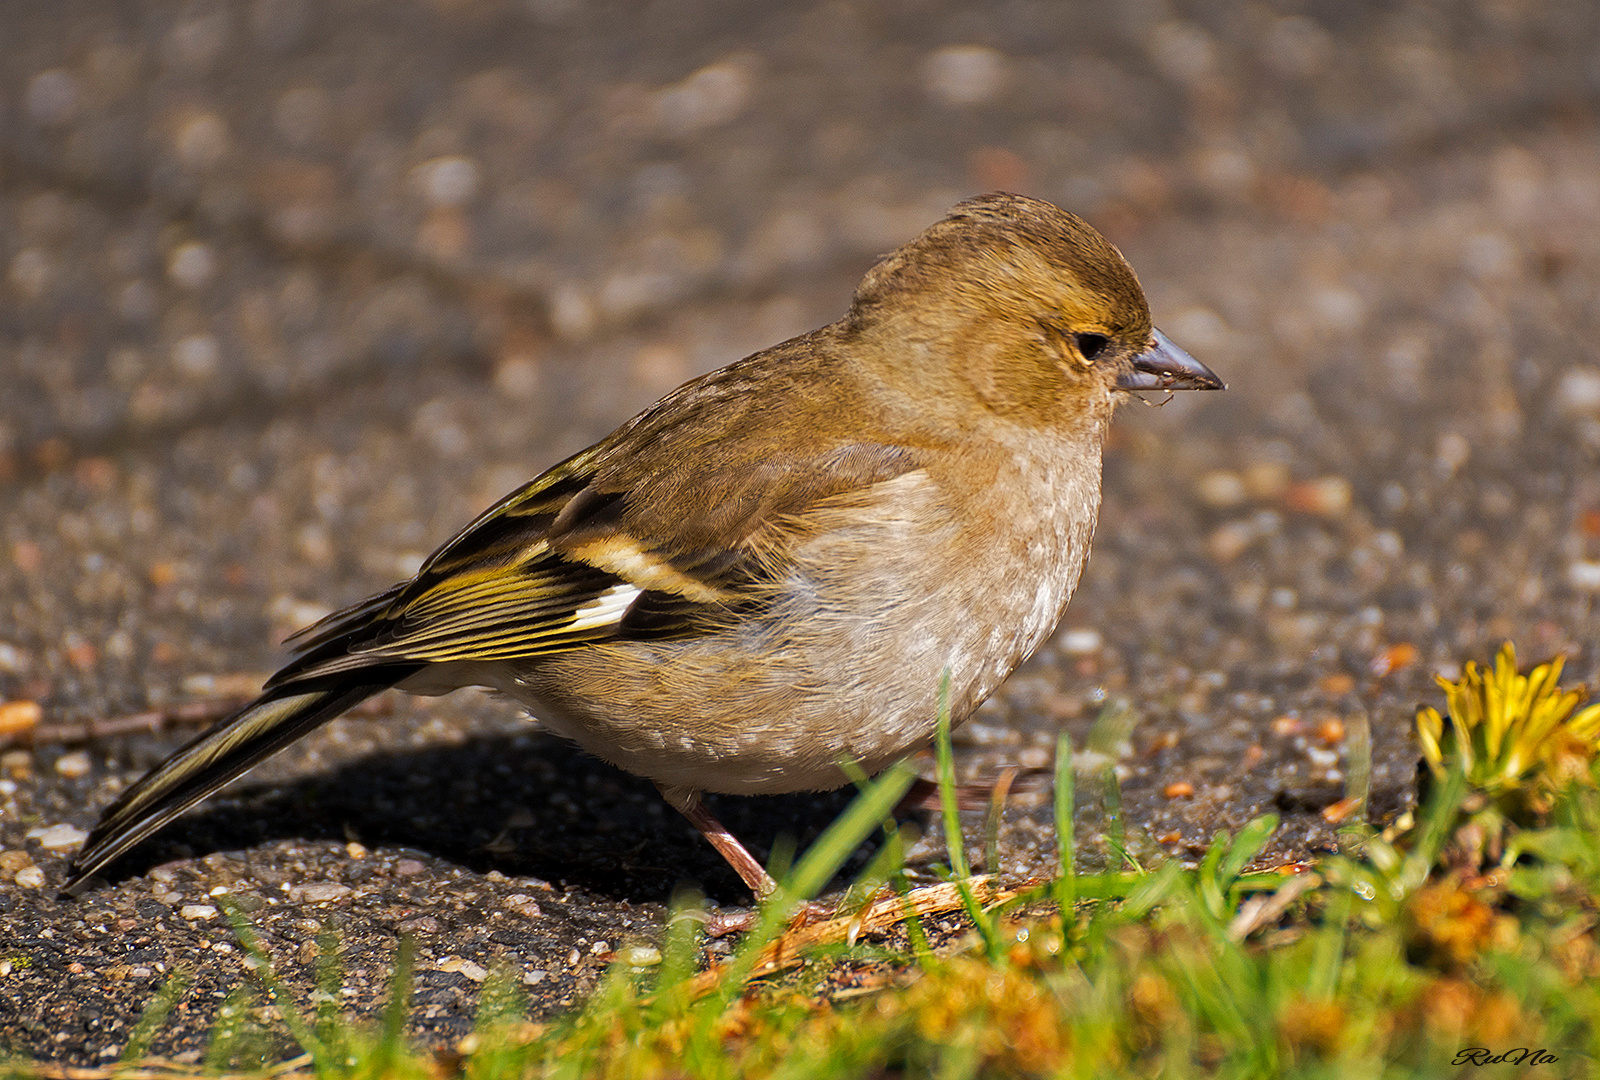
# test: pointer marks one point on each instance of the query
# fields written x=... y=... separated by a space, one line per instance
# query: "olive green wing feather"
x=584 y=554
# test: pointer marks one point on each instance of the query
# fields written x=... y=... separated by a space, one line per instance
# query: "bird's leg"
x=687 y=802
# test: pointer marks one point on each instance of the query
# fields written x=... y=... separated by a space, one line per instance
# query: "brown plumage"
x=775 y=566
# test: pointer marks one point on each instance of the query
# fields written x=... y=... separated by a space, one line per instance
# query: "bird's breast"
x=920 y=582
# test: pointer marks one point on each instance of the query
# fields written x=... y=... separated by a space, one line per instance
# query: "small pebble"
x=1178 y=789
x=73 y=765
x=19 y=716
x=1330 y=731
x=458 y=965
x=1165 y=740
x=1450 y=453
x=1337 y=812
x=1222 y=489
x=197 y=911
x=1182 y=51
x=964 y=74
x=32 y=272
x=447 y=181
x=519 y=377
x=1230 y=540
x=30 y=877
x=1584 y=575
x=12 y=659
x=524 y=905
x=1578 y=393
x=709 y=97
x=639 y=955
x=197 y=356
x=1337 y=683
x=57 y=837
x=355 y=850
x=52 y=98
x=1399 y=655
x=408 y=867
x=1284 y=726
x=1266 y=479
x=318 y=892
x=192 y=265
x=12 y=861
x=1326 y=496
x=1080 y=641
x=202 y=141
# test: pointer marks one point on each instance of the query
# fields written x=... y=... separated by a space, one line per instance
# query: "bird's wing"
x=585 y=553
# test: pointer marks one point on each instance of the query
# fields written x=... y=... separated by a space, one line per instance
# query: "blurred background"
x=500 y=226
x=292 y=289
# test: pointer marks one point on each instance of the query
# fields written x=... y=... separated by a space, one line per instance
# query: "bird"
x=782 y=568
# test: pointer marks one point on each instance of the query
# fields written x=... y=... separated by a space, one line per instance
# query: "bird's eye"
x=1091 y=345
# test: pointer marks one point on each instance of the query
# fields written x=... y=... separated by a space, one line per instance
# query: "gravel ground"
x=292 y=290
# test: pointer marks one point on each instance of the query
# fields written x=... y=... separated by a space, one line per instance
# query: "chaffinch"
x=773 y=568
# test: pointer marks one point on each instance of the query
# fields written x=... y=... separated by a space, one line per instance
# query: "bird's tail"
x=228 y=750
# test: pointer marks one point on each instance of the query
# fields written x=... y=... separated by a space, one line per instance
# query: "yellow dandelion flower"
x=1512 y=732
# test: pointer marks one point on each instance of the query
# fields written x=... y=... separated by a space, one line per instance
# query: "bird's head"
x=1025 y=306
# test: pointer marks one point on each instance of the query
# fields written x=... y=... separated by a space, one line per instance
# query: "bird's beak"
x=1164 y=366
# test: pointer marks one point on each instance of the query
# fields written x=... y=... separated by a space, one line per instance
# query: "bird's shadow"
x=528 y=805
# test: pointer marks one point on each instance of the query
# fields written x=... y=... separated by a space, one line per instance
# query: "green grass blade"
x=1327 y=956
x=1438 y=821
x=155 y=1014
x=235 y=1040
x=1358 y=768
x=328 y=999
x=1066 y=883
x=955 y=848
x=921 y=947
x=1246 y=846
x=991 y=837
x=259 y=962
x=1116 y=829
x=391 y=1046
x=1211 y=891
x=888 y=861
x=960 y=869
x=680 y=947
x=501 y=1001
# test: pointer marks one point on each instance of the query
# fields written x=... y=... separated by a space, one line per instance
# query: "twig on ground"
x=876 y=917
x=193 y=713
